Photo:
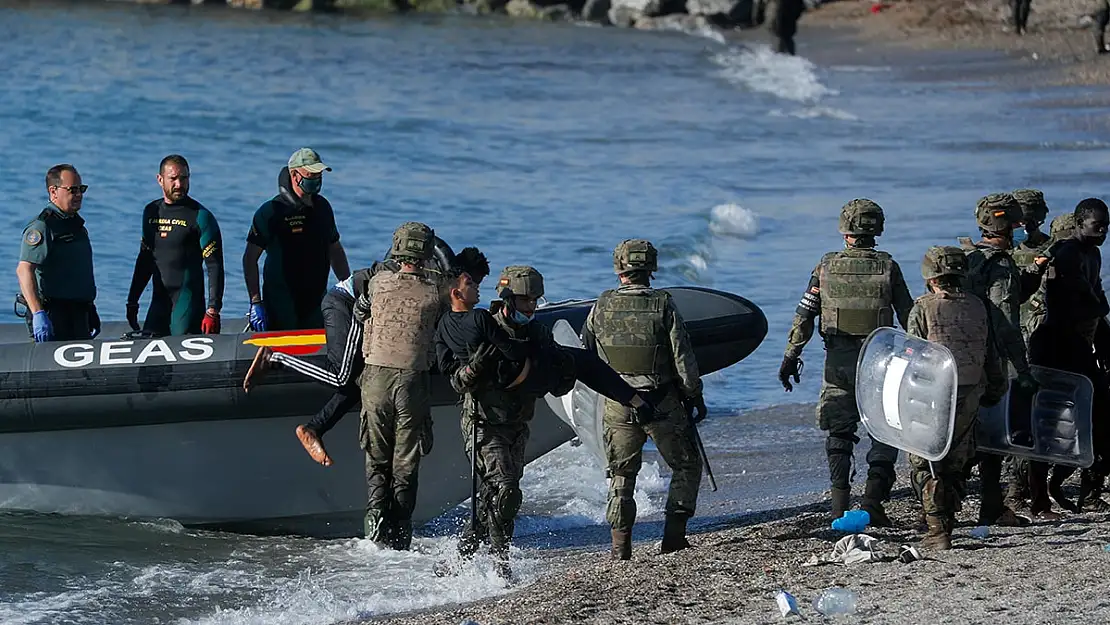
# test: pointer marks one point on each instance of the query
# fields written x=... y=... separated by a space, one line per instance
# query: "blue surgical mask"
x=311 y=186
x=1020 y=236
x=522 y=319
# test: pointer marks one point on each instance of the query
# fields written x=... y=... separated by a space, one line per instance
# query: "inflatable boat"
x=161 y=428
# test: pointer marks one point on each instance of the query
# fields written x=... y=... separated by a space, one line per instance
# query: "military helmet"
x=861 y=217
x=1033 y=208
x=1063 y=226
x=413 y=240
x=943 y=260
x=635 y=255
x=997 y=213
x=520 y=280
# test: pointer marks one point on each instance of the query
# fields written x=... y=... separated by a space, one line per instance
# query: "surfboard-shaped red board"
x=292 y=342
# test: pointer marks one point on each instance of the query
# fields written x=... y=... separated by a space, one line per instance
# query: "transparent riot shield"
x=582 y=408
x=906 y=392
x=1052 y=425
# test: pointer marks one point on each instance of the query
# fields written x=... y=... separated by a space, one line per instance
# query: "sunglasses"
x=77 y=189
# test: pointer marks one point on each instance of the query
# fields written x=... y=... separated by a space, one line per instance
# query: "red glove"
x=211 y=323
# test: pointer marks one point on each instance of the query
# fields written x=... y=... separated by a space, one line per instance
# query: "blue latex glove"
x=41 y=328
x=257 y=317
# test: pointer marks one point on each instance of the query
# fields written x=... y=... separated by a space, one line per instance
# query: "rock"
x=596 y=11
x=681 y=23
x=624 y=13
x=725 y=13
x=527 y=9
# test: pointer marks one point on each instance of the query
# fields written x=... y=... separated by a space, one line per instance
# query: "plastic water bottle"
x=835 y=600
x=786 y=602
x=853 y=521
x=981 y=532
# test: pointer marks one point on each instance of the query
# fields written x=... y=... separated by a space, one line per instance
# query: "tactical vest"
x=979 y=260
x=958 y=321
x=402 y=323
x=629 y=329
x=856 y=292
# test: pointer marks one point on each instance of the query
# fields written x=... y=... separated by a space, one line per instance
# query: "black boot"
x=674 y=534
x=402 y=535
x=622 y=545
x=841 y=501
x=873 y=496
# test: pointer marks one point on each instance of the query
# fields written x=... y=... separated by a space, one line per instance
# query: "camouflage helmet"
x=1033 y=208
x=1062 y=226
x=943 y=260
x=861 y=217
x=413 y=240
x=997 y=213
x=635 y=255
x=520 y=280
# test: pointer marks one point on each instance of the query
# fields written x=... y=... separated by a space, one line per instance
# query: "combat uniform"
x=59 y=247
x=396 y=386
x=639 y=332
x=176 y=240
x=958 y=321
x=853 y=291
x=993 y=276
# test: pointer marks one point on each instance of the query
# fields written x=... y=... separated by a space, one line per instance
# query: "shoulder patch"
x=32 y=237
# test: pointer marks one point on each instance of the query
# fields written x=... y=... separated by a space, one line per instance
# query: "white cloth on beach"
x=850 y=550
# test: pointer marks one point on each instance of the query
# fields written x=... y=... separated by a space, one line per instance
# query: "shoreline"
x=1045 y=572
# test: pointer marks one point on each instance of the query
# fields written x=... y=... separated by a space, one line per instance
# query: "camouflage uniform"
x=639 y=332
x=854 y=291
x=1063 y=226
x=993 y=276
x=1034 y=211
x=949 y=317
x=396 y=387
x=501 y=417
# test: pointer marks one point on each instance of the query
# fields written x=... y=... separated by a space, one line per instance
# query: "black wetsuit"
x=297 y=238
x=177 y=239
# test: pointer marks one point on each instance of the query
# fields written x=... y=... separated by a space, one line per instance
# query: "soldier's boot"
x=622 y=545
x=377 y=527
x=1060 y=474
x=470 y=539
x=841 y=501
x=674 y=534
x=873 y=503
x=1090 y=492
x=938 y=537
x=402 y=535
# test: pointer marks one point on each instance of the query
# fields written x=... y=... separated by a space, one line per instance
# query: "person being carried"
x=344 y=361
x=178 y=235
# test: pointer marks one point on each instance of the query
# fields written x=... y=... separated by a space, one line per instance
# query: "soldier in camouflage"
x=948 y=316
x=994 y=277
x=853 y=291
x=501 y=412
x=396 y=386
x=639 y=332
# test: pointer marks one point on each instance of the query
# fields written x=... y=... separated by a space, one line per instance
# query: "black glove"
x=695 y=408
x=1026 y=382
x=94 y=321
x=133 y=316
x=426 y=438
x=361 y=310
x=791 y=366
x=645 y=413
x=466 y=376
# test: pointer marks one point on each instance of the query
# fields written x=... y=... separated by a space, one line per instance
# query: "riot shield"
x=906 y=392
x=1052 y=425
x=582 y=408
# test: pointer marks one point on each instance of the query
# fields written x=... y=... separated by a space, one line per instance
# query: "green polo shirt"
x=59 y=247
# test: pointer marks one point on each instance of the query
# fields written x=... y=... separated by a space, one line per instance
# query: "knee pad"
x=840 y=444
x=506 y=501
x=839 y=448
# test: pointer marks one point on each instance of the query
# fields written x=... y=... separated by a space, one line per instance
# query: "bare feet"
x=313 y=445
x=258 y=367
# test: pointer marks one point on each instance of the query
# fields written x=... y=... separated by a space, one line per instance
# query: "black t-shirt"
x=460 y=333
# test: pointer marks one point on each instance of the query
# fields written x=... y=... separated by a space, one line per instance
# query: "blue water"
x=542 y=144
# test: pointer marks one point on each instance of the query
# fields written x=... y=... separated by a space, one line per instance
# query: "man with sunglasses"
x=55 y=268
x=297 y=231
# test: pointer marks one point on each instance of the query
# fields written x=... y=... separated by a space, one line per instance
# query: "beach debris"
x=850 y=550
x=469 y=622
x=853 y=521
x=835 y=600
x=787 y=604
x=909 y=554
x=981 y=532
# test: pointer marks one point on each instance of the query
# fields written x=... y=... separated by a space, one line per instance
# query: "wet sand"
x=1056 y=50
x=1044 y=573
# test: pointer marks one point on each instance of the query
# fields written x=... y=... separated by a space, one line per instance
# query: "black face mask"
x=1092 y=230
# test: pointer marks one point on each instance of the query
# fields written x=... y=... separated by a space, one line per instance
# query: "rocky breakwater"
x=686 y=15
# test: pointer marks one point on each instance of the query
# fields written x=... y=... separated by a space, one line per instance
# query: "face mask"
x=521 y=319
x=1020 y=236
x=311 y=186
